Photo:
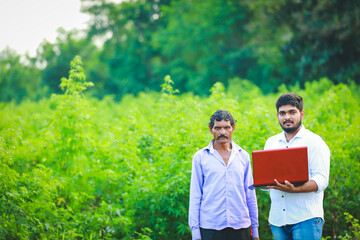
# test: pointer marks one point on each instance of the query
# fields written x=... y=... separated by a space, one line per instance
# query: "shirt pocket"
x=236 y=174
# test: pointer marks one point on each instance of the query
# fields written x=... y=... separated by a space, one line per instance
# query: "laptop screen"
x=289 y=164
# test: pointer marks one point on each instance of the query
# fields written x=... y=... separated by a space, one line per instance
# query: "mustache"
x=288 y=121
x=221 y=136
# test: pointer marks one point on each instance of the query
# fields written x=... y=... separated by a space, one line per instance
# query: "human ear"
x=302 y=114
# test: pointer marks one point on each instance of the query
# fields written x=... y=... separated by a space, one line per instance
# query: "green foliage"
x=167 y=87
x=267 y=42
x=213 y=52
x=76 y=83
x=19 y=77
x=297 y=42
x=55 y=57
x=70 y=119
x=74 y=167
x=128 y=51
x=354 y=227
x=27 y=207
x=130 y=46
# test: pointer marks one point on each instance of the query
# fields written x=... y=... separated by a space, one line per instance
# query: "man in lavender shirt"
x=222 y=207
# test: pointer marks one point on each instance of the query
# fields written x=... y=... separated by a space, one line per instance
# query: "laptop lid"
x=289 y=164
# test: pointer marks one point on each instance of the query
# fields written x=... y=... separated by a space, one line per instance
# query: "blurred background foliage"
x=78 y=167
x=130 y=46
x=114 y=162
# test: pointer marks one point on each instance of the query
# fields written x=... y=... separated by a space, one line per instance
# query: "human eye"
x=281 y=113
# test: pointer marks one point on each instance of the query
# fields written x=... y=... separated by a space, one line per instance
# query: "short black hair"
x=292 y=99
x=221 y=115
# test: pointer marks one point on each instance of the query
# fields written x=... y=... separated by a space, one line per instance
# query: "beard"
x=290 y=129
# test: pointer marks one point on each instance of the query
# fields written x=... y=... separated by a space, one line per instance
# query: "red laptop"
x=281 y=164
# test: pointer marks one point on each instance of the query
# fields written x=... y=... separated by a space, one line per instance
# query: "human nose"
x=287 y=116
x=222 y=130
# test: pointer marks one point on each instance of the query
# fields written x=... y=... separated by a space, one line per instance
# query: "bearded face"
x=290 y=118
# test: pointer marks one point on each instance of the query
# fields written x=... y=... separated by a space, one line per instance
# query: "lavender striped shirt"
x=219 y=194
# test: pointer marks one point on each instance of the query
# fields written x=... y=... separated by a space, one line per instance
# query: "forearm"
x=309 y=186
x=195 y=199
x=251 y=202
x=194 y=218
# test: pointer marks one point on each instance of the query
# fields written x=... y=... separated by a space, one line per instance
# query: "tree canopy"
x=199 y=43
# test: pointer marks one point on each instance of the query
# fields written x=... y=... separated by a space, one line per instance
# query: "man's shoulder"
x=314 y=140
x=273 y=141
x=275 y=137
x=237 y=147
x=311 y=136
x=201 y=151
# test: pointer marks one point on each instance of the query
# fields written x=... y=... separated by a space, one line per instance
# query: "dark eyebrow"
x=291 y=110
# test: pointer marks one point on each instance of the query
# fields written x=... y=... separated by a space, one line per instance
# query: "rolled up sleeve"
x=320 y=165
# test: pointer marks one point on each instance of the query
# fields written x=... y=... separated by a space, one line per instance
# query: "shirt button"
x=284 y=210
x=282 y=196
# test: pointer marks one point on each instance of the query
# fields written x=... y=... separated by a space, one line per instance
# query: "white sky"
x=24 y=24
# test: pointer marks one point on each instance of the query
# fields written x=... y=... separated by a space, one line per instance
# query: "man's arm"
x=195 y=197
x=319 y=166
x=251 y=200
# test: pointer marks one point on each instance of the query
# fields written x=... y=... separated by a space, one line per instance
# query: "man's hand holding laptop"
x=309 y=186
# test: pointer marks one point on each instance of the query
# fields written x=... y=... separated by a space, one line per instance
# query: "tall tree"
x=202 y=42
x=127 y=51
x=19 y=77
x=205 y=42
x=311 y=39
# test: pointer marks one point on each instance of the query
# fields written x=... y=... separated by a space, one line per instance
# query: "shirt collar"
x=211 y=149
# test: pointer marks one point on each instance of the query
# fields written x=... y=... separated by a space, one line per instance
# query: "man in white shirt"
x=297 y=211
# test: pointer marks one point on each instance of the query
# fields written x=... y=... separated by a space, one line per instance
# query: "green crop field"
x=76 y=167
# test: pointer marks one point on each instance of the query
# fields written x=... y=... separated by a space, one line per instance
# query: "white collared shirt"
x=290 y=208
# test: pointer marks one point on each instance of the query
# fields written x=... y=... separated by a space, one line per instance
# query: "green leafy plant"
x=74 y=167
x=76 y=83
x=354 y=229
x=167 y=86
